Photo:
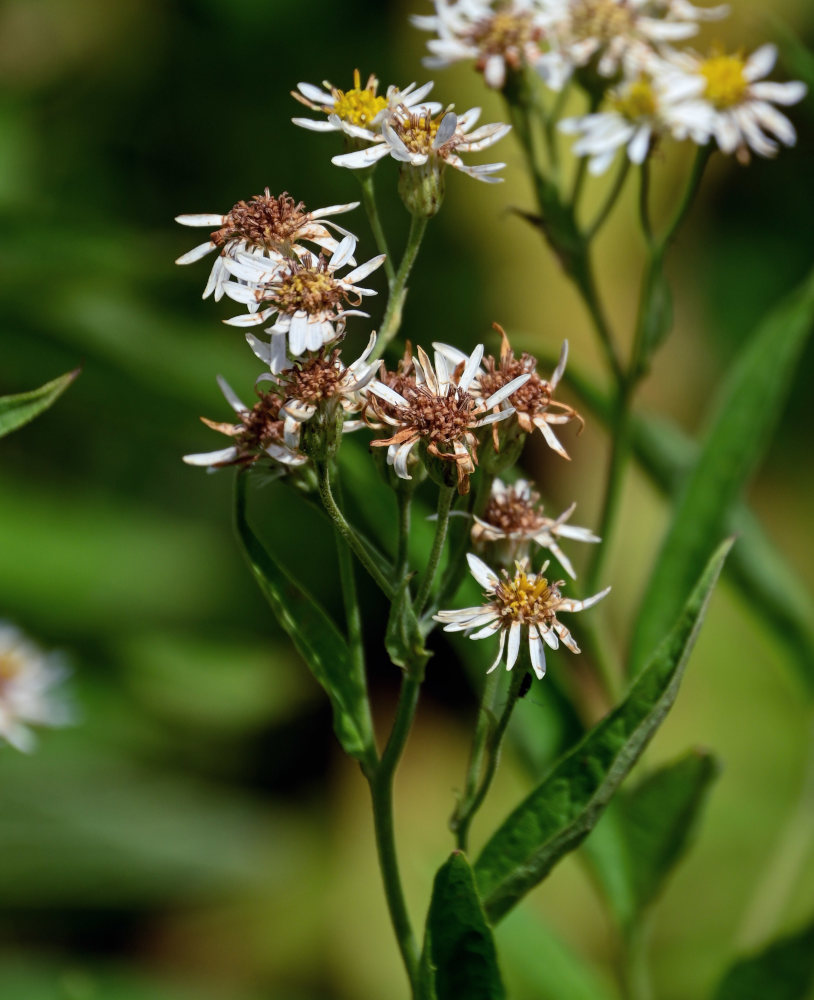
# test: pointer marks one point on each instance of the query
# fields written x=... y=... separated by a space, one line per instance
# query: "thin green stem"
x=699 y=165
x=635 y=973
x=398 y=286
x=644 y=205
x=608 y=205
x=446 y=494
x=460 y=820
x=583 y=277
x=381 y=791
x=347 y=532
x=405 y=499
x=478 y=499
x=372 y=211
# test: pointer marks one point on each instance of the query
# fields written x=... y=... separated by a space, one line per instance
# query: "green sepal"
x=564 y=808
x=314 y=634
x=18 y=410
x=459 y=949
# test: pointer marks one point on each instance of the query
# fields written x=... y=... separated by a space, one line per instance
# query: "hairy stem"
x=372 y=211
x=398 y=286
x=446 y=494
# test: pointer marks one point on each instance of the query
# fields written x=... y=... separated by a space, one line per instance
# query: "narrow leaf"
x=16 y=411
x=316 y=637
x=403 y=639
x=747 y=408
x=459 y=939
x=657 y=309
x=565 y=807
x=782 y=971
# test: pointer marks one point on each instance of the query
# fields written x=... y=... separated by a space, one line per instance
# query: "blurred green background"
x=199 y=835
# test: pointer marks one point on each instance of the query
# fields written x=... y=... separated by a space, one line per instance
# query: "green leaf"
x=782 y=971
x=657 y=309
x=16 y=411
x=747 y=407
x=645 y=833
x=458 y=939
x=403 y=639
x=316 y=637
x=565 y=807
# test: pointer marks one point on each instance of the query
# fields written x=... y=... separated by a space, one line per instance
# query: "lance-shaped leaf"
x=646 y=831
x=316 y=637
x=748 y=406
x=16 y=411
x=458 y=946
x=565 y=807
x=782 y=971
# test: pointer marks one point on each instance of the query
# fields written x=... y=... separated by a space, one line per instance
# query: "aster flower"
x=439 y=413
x=513 y=519
x=524 y=601
x=534 y=403
x=499 y=37
x=615 y=31
x=357 y=112
x=257 y=434
x=419 y=140
x=323 y=380
x=641 y=110
x=306 y=297
x=277 y=226
x=740 y=102
x=27 y=679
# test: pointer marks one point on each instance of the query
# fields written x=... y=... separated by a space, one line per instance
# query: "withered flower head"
x=264 y=225
x=440 y=413
x=513 y=519
x=259 y=433
x=515 y=602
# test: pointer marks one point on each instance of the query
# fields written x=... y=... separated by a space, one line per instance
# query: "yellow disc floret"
x=638 y=100
x=726 y=82
x=525 y=598
x=361 y=105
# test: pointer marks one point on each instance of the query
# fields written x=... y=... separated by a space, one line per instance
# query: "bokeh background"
x=199 y=836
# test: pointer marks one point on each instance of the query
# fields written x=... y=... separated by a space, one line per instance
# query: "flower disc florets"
x=527 y=599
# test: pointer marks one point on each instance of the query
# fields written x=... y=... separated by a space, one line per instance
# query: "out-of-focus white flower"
x=27 y=681
x=417 y=139
x=498 y=37
x=439 y=412
x=306 y=295
x=513 y=519
x=357 y=112
x=258 y=433
x=523 y=602
x=740 y=102
x=264 y=225
x=611 y=32
x=641 y=110
x=533 y=402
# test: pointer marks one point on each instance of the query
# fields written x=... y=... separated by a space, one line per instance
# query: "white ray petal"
x=485 y=576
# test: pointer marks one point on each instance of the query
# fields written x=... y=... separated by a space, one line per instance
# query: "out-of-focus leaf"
x=657 y=309
x=747 y=408
x=646 y=831
x=318 y=640
x=565 y=807
x=782 y=971
x=403 y=639
x=16 y=411
x=459 y=939
x=542 y=964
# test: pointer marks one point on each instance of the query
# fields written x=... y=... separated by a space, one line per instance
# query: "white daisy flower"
x=259 y=433
x=417 y=139
x=439 y=412
x=740 y=102
x=264 y=225
x=513 y=519
x=642 y=110
x=498 y=37
x=611 y=32
x=323 y=381
x=27 y=679
x=306 y=296
x=534 y=404
x=357 y=112
x=523 y=602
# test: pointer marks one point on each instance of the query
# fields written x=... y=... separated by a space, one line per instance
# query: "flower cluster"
x=624 y=53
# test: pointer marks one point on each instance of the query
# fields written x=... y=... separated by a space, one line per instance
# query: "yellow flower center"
x=504 y=31
x=11 y=664
x=417 y=131
x=309 y=289
x=726 y=83
x=638 y=100
x=602 y=19
x=360 y=105
x=525 y=598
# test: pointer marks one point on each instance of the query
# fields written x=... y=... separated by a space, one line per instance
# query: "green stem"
x=398 y=286
x=478 y=500
x=446 y=495
x=372 y=211
x=460 y=820
x=635 y=973
x=699 y=165
x=381 y=791
x=608 y=205
x=405 y=500
x=583 y=276
x=644 y=205
x=347 y=532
